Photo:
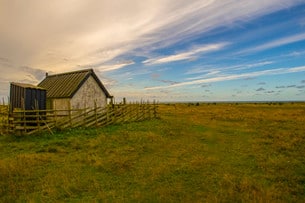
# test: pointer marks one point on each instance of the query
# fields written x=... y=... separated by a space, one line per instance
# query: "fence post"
x=143 y=110
x=55 y=117
x=137 y=109
x=95 y=112
x=24 y=120
x=155 y=110
x=107 y=113
x=146 y=111
x=112 y=101
x=70 y=117
x=37 y=120
x=149 y=109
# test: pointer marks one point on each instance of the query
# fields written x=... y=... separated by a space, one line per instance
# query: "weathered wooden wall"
x=60 y=104
x=90 y=95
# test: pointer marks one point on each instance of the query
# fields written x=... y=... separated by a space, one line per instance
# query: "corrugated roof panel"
x=66 y=84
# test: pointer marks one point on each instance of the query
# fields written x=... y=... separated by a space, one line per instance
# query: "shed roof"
x=26 y=86
x=65 y=85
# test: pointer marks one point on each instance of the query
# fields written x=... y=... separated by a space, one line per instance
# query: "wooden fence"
x=3 y=119
x=34 y=121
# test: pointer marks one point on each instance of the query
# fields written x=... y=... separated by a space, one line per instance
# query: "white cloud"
x=277 y=71
x=106 y=68
x=186 y=55
x=220 y=71
x=60 y=36
x=277 y=43
x=43 y=34
x=295 y=70
x=294 y=54
x=111 y=67
x=252 y=65
x=187 y=19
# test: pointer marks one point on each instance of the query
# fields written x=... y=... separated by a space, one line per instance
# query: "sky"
x=163 y=50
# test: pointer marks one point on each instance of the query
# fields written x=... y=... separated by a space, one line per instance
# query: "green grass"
x=214 y=153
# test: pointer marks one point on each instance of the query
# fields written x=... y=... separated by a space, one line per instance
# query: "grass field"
x=193 y=153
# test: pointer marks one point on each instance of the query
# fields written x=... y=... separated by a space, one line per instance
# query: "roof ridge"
x=73 y=72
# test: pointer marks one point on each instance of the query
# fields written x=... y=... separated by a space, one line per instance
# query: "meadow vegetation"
x=193 y=153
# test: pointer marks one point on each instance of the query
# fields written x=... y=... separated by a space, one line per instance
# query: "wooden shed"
x=27 y=97
x=74 y=90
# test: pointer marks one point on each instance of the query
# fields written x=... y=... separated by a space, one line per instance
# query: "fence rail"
x=34 y=121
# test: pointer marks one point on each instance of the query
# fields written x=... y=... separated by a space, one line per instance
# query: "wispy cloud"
x=277 y=71
x=35 y=73
x=260 y=89
x=111 y=67
x=295 y=54
x=252 y=65
x=77 y=31
x=300 y=86
x=186 y=55
x=280 y=87
x=212 y=69
x=66 y=35
x=291 y=86
x=169 y=82
x=277 y=43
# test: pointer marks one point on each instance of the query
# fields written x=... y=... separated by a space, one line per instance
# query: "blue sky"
x=164 y=50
